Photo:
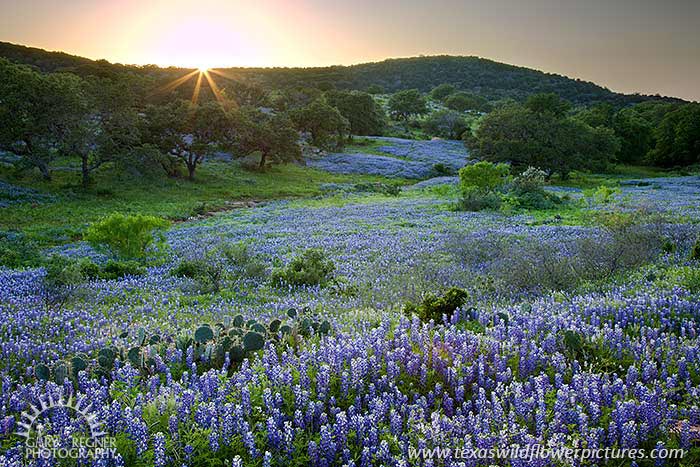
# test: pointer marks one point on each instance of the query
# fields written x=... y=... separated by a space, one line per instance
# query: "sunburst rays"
x=201 y=74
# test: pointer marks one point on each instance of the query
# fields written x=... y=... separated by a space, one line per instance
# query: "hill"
x=488 y=78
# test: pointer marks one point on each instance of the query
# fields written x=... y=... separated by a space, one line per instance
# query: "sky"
x=647 y=46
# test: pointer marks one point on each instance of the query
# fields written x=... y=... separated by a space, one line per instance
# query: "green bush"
x=207 y=272
x=190 y=268
x=477 y=200
x=695 y=251
x=434 y=307
x=214 y=267
x=690 y=279
x=601 y=195
x=117 y=269
x=442 y=170
x=484 y=176
x=377 y=187
x=481 y=184
x=127 y=236
x=538 y=200
x=64 y=272
x=18 y=252
x=243 y=261
x=310 y=268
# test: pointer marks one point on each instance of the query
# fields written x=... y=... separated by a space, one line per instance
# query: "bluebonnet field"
x=399 y=158
x=13 y=194
x=495 y=372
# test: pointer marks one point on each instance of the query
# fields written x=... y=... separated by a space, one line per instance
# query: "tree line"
x=546 y=132
x=127 y=119
x=93 y=121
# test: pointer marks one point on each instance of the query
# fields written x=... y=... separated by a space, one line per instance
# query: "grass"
x=366 y=146
x=617 y=173
x=216 y=184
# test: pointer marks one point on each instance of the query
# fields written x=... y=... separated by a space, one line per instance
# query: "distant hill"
x=490 y=79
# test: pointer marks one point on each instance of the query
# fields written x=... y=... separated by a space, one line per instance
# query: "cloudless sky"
x=649 y=46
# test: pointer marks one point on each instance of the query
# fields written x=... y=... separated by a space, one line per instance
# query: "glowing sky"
x=650 y=46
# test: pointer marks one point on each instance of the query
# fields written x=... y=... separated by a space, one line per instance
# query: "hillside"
x=491 y=79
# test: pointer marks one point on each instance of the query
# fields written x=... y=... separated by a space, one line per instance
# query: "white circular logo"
x=89 y=440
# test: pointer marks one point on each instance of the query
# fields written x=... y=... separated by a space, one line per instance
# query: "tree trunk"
x=85 y=170
x=190 y=171
x=44 y=169
x=263 y=160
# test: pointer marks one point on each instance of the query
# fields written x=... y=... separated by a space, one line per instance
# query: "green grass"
x=216 y=184
x=366 y=146
x=617 y=174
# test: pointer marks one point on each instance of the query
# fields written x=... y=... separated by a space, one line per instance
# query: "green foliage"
x=594 y=354
x=243 y=261
x=433 y=307
x=678 y=138
x=440 y=92
x=38 y=113
x=406 y=104
x=473 y=199
x=128 y=236
x=273 y=136
x=480 y=184
x=442 y=170
x=326 y=125
x=600 y=114
x=547 y=103
x=695 y=250
x=378 y=187
x=65 y=272
x=309 y=268
x=365 y=116
x=62 y=271
x=601 y=195
x=220 y=264
x=464 y=101
x=690 y=279
x=16 y=251
x=209 y=344
x=543 y=139
x=484 y=176
x=528 y=190
x=118 y=269
x=185 y=133
x=447 y=124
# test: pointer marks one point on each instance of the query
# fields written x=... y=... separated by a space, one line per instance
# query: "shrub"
x=690 y=279
x=484 y=176
x=209 y=274
x=601 y=195
x=434 y=307
x=378 y=187
x=188 y=268
x=476 y=200
x=62 y=271
x=480 y=184
x=117 y=269
x=18 y=252
x=623 y=242
x=310 y=268
x=217 y=265
x=243 y=260
x=695 y=250
x=530 y=181
x=442 y=170
x=127 y=236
